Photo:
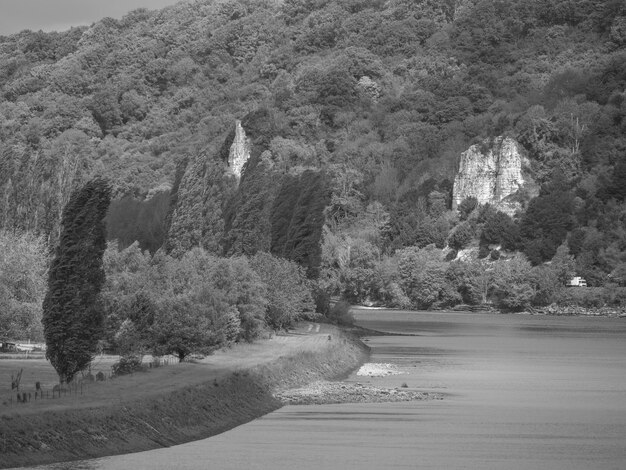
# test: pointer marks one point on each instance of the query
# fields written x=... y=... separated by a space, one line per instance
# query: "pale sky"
x=60 y=15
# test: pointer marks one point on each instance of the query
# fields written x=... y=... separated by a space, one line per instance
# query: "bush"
x=592 y=297
x=321 y=298
x=127 y=365
x=616 y=296
x=288 y=290
x=340 y=314
x=422 y=277
x=483 y=251
x=461 y=236
x=466 y=207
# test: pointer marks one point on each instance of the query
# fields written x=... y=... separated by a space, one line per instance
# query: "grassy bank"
x=176 y=404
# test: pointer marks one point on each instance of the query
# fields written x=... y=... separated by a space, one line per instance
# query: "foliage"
x=513 y=289
x=196 y=215
x=466 y=207
x=340 y=313
x=132 y=220
x=297 y=219
x=288 y=290
x=473 y=280
x=372 y=101
x=247 y=224
x=182 y=327
x=498 y=228
x=461 y=236
x=545 y=224
x=126 y=365
x=23 y=266
x=216 y=300
x=423 y=278
x=72 y=313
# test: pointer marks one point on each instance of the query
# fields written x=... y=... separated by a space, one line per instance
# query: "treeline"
x=357 y=111
x=425 y=278
x=277 y=207
x=198 y=303
x=161 y=304
x=23 y=266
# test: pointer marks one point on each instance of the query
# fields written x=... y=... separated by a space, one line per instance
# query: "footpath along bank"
x=176 y=404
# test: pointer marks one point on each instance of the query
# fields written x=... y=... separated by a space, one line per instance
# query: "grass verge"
x=196 y=401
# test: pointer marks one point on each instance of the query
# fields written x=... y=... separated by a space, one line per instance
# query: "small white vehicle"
x=577 y=281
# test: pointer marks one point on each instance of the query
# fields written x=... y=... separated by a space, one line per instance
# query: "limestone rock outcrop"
x=239 y=150
x=492 y=172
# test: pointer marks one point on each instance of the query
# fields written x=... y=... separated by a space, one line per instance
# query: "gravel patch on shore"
x=327 y=393
x=374 y=369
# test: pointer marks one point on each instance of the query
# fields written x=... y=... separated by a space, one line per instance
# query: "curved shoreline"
x=189 y=413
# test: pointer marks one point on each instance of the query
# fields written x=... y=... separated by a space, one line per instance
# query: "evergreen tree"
x=181 y=166
x=72 y=314
x=197 y=219
x=247 y=215
x=297 y=220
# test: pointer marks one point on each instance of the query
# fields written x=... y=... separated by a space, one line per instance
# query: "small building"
x=577 y=281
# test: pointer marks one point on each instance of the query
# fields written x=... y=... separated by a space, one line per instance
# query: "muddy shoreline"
x=189 y=413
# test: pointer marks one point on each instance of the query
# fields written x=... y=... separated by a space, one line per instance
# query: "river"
x=520 y=392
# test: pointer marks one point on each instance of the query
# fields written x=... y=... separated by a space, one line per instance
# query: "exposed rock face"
x=239 y=151
x=492 y=173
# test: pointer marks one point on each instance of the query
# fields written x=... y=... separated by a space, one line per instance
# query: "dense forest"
x=357 y=111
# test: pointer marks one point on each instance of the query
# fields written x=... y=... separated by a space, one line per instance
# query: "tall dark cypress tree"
x=72 y=314
x=297 y=219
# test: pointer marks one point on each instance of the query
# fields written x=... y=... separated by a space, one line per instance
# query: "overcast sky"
x=60 y=15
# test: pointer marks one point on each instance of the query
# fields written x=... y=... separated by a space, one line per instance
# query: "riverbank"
x=331 y=393
x=575 y=310
x=553 y=310
x=169 y=406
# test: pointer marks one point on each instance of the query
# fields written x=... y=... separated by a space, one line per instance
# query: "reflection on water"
x=522 y=392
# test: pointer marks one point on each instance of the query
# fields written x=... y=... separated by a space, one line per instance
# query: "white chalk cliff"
x=492 y=173
x=239 y=151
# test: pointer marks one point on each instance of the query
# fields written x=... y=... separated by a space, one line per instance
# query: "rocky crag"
x=492 y=172
x=239 y=151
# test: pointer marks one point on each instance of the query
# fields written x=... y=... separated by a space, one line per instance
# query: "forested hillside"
x=359 y=110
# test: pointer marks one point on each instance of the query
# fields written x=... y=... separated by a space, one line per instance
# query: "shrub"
x=616 y=296
x=422 y=277
x=499 y=229
x=483 y=251
x=288 y=290
x=321 y=298
x=512 y=283
x=591 y=297
x=461 y=236
x=340 y=314
x=467 y=206
x=127 y=365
